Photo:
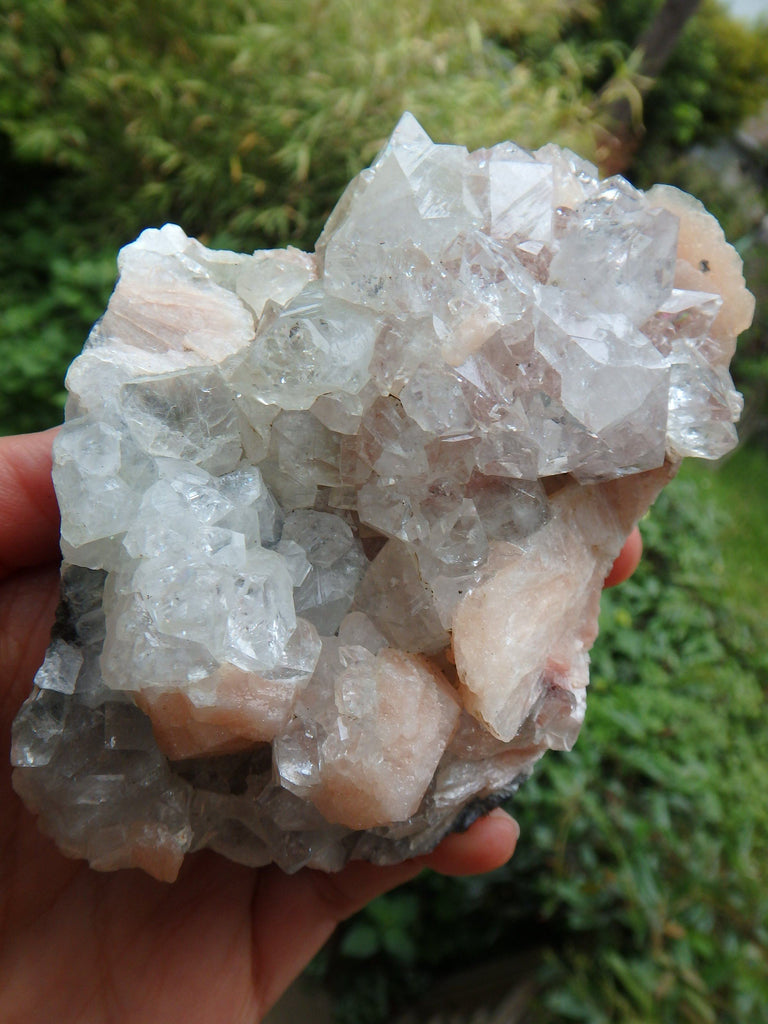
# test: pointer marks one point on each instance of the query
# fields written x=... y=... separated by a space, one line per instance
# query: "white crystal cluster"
x=335 y=525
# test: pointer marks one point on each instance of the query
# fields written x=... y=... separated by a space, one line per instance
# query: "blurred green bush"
x=243 y=121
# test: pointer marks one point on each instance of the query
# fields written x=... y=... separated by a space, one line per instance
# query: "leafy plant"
x=51 y=299
x=250 y=117
x=243 y=121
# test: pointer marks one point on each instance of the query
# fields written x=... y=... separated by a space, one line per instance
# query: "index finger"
x=29 y=514
x=627 y=560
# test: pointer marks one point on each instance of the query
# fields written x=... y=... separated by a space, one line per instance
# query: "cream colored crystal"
x=707 y=263
x=379 y=760
x=535 y=617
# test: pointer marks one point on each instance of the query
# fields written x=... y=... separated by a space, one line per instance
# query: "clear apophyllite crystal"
x=335 y=525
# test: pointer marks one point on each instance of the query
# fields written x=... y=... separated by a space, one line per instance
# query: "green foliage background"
x=640 y=884
x=243 y=121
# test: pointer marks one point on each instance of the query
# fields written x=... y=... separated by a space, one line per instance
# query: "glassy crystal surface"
x=335 y=525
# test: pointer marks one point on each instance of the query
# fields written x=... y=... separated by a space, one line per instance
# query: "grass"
x=738 y=488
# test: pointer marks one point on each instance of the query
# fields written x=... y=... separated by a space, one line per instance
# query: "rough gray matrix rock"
x=335 y=526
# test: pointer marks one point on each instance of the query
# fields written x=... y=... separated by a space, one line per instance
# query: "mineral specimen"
x=335 y=526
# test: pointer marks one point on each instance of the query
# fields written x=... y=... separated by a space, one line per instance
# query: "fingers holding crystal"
x=627 y=560
x=284 y=943
x=486 y=845
x=29 y=515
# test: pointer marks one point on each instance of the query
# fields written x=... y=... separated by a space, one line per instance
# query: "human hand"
x=221 y=943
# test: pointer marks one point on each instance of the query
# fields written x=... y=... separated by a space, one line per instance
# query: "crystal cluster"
x=335 y=525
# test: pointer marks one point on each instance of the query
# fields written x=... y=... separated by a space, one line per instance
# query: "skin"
x=223 y=942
